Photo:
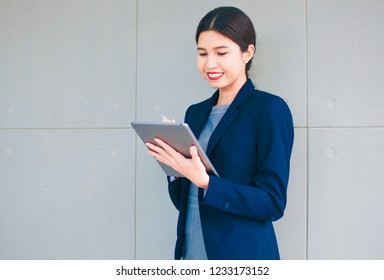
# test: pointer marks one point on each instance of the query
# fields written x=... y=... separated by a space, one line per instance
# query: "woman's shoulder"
x=264 y=99
x=266 y=96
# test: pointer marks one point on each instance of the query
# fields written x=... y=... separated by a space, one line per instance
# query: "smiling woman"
x=247 y=135
x=222 y=63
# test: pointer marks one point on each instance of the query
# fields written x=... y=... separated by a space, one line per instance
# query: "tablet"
x=177 y=135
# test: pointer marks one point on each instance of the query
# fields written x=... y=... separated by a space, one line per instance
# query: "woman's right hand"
x=166 y=120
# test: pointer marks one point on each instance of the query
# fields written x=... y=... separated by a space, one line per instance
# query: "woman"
x=248 y=136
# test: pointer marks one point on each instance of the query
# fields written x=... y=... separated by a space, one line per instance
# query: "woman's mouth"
x=213 y=76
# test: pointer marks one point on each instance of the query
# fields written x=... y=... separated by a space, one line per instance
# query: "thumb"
x=193 y=152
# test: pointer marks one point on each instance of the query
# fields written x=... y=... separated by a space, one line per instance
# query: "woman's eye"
x=222 y=53
x=202 y=54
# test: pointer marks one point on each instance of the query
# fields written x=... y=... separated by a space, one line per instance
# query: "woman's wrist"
x=204 y=182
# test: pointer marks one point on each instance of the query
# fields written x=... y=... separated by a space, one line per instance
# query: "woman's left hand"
x=192 y=168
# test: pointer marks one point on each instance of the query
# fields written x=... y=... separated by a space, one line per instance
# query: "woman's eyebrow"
x=215 y=48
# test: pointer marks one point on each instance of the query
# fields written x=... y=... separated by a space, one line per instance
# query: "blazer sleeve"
x=265 y=198
x=174 y=190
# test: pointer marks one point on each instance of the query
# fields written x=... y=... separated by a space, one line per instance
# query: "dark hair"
x=232 y=23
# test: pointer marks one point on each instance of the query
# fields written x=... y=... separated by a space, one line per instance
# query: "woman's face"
x=221 y=61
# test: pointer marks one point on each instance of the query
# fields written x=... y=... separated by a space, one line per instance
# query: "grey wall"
x=75 y=183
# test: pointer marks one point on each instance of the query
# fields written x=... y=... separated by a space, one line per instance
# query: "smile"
x=213 y=76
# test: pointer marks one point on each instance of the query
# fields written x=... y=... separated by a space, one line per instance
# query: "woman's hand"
x=166 y=120
x=192 y=168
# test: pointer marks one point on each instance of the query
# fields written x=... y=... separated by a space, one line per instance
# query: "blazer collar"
x=200 y=119
x=230 y=115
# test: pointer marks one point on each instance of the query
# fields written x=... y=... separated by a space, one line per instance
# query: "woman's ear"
x=248 y=54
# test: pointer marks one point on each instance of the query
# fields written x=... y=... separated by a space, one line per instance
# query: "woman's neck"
x=228 y=94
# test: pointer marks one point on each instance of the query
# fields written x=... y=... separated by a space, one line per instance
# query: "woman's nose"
x=211 y=62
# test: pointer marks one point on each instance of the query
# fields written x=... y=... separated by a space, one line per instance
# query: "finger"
x=153 y=147
x=160 y=142
x=159 y=154
x=195 y=155
x=166 y=120
x=193 y=152
x=169 y=149
x=156 y=150
x=163 y=152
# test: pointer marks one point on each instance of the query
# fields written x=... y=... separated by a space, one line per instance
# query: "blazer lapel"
x=199 y=120
x=230 y=115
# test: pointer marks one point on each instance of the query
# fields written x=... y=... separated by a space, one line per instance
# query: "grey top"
x=194 y=242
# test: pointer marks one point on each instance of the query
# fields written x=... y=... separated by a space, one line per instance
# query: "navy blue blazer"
x=250 y=149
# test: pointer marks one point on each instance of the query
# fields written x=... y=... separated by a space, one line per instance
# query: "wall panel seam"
x=307 y=130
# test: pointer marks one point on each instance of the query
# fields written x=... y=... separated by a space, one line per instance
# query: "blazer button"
x=226 y=205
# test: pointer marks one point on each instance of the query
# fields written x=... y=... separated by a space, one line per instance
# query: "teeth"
x=214 y=75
